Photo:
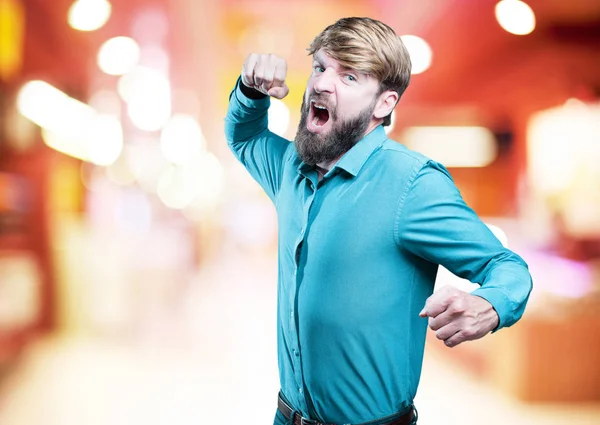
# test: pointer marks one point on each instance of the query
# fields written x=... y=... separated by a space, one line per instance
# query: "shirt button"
x=296 y=353
x=300 y=390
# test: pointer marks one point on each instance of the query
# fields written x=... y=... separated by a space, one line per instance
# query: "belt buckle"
x=304 y=421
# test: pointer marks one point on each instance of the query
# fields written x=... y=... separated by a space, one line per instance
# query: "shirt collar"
x=353 y=160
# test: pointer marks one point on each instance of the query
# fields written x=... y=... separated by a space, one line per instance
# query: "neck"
x=327 y=165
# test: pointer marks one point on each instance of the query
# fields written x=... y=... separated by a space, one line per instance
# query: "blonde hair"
x=368 y=46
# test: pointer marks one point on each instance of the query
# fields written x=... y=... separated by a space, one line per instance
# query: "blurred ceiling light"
x=515 y=17
x=279 y=117
x=453 y=146
x=89 y=15
x=70 y=126
x=118 y=55
x=148 y=96
x=181 y=139
x=420 y=53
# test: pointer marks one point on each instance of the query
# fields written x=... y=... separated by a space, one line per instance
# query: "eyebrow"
x=342 y=68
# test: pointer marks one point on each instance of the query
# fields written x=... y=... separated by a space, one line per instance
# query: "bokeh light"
x=104 y=140
x=210 y=187
x=279 y=117
x=453 y=146
x=70 y=126
x=515 y=16
x=50 y=108
x=181 y=139
x=89 y=15
x=118 y=55
x=177 y=186
x=106 y=102
x=148 y=96
x=420 y=53
x=155 y=57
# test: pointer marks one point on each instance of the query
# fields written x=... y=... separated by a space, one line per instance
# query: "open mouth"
x=320 y=114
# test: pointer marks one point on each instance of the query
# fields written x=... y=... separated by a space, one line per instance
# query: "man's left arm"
x=435 y=223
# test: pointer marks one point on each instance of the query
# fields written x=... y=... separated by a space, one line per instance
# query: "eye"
x=350 y=77
x=318 y=69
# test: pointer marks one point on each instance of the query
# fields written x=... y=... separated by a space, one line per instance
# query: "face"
x=340 y=106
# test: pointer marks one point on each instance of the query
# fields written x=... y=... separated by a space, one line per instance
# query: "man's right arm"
x=262 y=152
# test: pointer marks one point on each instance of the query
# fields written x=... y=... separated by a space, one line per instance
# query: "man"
x=363 y=225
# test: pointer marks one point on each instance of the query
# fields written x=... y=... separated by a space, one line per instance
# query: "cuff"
x=500 y=303
x=249 y=99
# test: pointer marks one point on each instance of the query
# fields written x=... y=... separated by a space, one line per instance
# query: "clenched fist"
x=266 y=73
x=458 y=316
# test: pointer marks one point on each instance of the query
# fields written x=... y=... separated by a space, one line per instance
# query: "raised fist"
x=266 y=73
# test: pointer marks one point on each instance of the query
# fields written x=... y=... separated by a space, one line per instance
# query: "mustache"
x=323 y=99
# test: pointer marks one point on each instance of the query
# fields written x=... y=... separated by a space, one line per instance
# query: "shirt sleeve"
x=434 y=223
x=262 y=152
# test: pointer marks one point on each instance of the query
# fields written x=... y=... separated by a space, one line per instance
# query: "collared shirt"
x=358 y=256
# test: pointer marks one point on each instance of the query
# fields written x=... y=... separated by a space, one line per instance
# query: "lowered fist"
x=458 y=316
x=266 y=73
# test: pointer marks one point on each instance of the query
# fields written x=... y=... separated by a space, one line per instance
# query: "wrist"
x=251 y=93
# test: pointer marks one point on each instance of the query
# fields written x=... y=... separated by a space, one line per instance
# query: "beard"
x=342 y=136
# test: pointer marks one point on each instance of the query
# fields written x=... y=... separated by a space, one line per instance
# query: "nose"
x=324 y=82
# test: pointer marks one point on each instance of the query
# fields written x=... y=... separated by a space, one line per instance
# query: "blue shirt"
x=358 y=256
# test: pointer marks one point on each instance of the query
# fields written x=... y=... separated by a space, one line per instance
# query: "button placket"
x=297 y=359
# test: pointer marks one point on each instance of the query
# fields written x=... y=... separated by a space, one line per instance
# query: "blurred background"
x=138 y=260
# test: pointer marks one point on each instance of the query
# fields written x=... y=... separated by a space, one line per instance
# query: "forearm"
x=262 y=152
x=246 y=117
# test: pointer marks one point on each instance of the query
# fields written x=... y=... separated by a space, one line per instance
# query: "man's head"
x=360 y=70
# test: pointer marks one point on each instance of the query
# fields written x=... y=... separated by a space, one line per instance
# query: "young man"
x=363 y=225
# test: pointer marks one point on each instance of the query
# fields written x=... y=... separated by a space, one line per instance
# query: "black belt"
x=287 y=411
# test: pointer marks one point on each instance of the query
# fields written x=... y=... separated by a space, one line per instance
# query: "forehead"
x=326 y=60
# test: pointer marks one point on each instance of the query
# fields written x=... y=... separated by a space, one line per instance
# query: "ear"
x=385 y=104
